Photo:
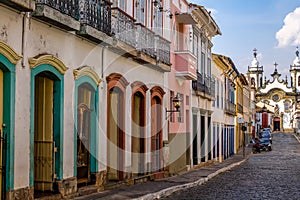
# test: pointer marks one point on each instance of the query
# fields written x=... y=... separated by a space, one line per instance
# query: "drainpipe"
x=25 y=16
x=102 y=60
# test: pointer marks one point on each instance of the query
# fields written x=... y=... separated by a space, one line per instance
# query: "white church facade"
x=277 y=100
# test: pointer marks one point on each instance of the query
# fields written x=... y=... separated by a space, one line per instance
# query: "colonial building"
x=82 y=94
x=87 y=91
x=203 y=93
x=277 y=98
x=224 y=114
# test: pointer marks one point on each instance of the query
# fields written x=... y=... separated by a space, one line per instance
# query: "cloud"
x=289 y=34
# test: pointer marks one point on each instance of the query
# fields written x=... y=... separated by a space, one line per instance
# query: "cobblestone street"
x=268 y=175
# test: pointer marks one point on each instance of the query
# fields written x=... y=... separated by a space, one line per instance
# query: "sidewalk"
x=166 y=186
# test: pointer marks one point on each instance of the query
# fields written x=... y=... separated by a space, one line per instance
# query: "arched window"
x=252 y=81
x=298 y=81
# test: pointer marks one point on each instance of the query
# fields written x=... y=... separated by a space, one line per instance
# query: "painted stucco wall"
x=74 y=52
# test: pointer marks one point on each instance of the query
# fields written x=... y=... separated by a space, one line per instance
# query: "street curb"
x=168 y=191
x=296 y=138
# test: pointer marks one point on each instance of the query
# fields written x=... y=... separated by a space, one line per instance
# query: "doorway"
x=138 y=138
x=156 y=138
x=116 y=136
x=195 y=140
x=85 y=105
x=276 y=123
x=202 y=126
x=44 y=148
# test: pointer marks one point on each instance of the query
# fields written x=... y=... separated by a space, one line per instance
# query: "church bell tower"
x=255 y=72
x=295 y=73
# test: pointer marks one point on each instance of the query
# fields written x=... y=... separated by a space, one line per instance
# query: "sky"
x=270 y=26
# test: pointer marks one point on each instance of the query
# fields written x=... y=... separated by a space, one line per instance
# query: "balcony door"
x=43 y=133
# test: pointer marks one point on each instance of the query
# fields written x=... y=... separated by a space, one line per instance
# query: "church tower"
x=295 y=73
x=255 y=72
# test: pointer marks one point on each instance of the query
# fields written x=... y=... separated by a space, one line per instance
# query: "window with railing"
x=157 y=19
x=214 y=89
x=208 y=66
x=202 y=67
x=222 y=95
x=140 y=11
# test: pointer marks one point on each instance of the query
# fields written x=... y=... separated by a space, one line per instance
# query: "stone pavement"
x=163 y=187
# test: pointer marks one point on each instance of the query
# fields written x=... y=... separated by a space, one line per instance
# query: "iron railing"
x=123 y=27
x=204 y=84
x=68 y=7
x=146 y=42
x=96 y=14
x=139 y=37
x=163 y=50
x=114 y=21
x=230 y=107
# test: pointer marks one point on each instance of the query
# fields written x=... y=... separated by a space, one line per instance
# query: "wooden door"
x=43 y=134
x=138 y=141
x=116 y=142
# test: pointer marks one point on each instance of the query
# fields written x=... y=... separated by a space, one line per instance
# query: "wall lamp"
x=176 y=103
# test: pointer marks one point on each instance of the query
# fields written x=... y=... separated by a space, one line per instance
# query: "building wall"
x=74 y=52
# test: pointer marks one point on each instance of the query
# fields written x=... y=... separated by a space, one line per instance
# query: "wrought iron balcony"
x=123 y=27
x=204 y=86
x=73 y=14
x=136 y=35
x=21 y=5
x=67 y=7
x=163 y=50
x=145 y=40
x=230 y=107
x=198 y=85
x=96 y=14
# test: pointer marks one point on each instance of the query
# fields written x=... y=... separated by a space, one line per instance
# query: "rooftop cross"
x=275 y=64
x=255 y=54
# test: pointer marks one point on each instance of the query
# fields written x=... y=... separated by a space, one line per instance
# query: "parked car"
x=266 y=134
x=265 y=144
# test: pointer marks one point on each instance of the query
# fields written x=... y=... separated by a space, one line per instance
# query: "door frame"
x=52 y=65
x=7 y=65
x=94 y=123
x=141 y=88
